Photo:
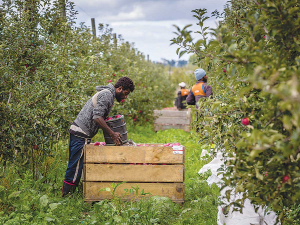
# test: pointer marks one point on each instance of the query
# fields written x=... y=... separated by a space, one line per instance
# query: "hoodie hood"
x=110 y=87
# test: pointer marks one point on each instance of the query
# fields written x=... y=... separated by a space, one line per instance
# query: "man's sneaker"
x=68 y=188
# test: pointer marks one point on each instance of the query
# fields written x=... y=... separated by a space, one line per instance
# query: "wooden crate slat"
x=172 y=120
x=131 y=154
x=174 y=191
x=172 y=113
x=134 y=173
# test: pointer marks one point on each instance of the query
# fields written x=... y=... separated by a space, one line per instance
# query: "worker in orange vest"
x=181 y=96
x=200 y=89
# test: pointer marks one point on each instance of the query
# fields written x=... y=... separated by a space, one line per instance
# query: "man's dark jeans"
x=74 y=170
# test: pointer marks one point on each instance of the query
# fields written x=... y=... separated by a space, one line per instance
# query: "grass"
x=24 y=201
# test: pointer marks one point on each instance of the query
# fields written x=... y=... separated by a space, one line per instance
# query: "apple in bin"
x=109 y=118
x=118 y=116
x=99 y=143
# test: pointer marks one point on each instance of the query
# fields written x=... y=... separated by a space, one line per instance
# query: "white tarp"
x=248 y=215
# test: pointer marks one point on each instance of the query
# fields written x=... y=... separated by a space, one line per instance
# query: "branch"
x=273 y=119
x=55 y=108
x=10 y=93
x=235 y=93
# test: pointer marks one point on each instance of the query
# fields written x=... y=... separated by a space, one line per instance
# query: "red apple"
x=118 y=116
x=147 y=120
x=121 y=70
x=109 y=81
x=285 y=179
x=140 y=111
x=224 y=71
x=109 y=118
x=114 y=74
x=123 y=100
x=245 y=121
x=134 y=119
x=97 y=143
x=35 y=147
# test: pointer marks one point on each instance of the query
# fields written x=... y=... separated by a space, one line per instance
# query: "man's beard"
x=204 y=79
x=119 y=97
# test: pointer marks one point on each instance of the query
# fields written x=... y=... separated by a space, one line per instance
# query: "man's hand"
x=117 y=138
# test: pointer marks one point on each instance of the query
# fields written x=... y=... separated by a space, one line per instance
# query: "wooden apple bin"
x=153 y=169
x=172 y=119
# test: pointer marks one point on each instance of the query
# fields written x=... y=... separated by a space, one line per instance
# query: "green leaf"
x=105 y=189
x=182 y=53
x=44 y=200
x=14 y=194
x=49 y=219
x=54 y=205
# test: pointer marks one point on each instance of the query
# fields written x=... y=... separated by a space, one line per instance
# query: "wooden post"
x=93 y=27
x=115 y=40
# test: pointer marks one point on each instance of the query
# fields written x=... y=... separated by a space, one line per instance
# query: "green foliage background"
x=50 y=67
x=253 y=66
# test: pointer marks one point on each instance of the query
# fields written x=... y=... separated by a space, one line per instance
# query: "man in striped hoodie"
x=86 y=125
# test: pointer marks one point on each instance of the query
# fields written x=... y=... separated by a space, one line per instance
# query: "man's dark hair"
x=126 y=83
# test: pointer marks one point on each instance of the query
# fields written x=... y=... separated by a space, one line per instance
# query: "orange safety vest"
x=198 y=89
x=184 y=92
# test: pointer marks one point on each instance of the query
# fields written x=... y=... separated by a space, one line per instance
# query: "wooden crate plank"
x=174 y=191
x=131 y=154
x=172 y=113
x=172 y=120
x=134 y=173
x=184 y=127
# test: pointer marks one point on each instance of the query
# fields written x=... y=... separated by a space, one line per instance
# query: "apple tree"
x=252 y=64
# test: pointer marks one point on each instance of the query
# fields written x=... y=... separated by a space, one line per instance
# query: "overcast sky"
x=147 y=23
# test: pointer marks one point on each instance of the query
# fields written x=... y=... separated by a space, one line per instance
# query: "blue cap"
x=199 y=73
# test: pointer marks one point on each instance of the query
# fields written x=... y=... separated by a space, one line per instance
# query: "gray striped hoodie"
x=105 y=101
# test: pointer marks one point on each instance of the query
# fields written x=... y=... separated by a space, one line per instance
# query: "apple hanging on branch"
x=245 y=121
